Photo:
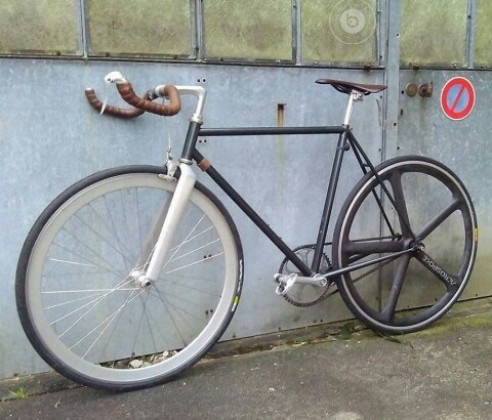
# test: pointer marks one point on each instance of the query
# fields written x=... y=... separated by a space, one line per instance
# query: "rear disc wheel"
x=435 y=223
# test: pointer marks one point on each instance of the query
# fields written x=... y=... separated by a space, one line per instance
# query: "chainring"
x=306 y=294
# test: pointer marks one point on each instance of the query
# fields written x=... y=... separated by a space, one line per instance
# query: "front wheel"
x=418 y=221
x=81 y=303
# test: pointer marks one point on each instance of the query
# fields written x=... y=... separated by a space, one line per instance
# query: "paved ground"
x=442 y=373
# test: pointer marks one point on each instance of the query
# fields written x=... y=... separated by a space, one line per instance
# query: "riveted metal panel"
x=461 y=145
x=50 y=137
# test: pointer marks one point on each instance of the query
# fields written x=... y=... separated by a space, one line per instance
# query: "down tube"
x=248 y=210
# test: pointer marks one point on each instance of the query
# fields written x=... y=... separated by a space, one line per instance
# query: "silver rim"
x=87 y=310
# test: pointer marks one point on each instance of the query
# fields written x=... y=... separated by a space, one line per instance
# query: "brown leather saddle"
x=347 y=87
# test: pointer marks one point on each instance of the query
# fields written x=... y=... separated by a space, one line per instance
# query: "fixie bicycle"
x=132 y=274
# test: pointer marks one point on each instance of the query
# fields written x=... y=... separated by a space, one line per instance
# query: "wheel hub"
x=140 y=280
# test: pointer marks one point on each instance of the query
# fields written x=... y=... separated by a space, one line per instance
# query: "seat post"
x=353 y=97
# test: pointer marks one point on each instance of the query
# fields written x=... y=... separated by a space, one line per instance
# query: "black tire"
x=438 y=228
x=84 y=312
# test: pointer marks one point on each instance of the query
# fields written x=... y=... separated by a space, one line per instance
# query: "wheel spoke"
x=84 y=310
x=90 y=305
x=400 y=203
x=388 y=313
x=450 y=281
x=200 y=261
x=438 y=220
x=104 y=325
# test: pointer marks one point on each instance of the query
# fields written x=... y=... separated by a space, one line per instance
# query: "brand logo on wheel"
x=438 y=270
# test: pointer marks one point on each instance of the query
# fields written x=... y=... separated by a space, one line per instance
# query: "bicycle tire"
x=83 y=311
x=410 y=292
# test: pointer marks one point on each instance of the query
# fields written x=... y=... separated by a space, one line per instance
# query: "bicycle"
x=133 y=273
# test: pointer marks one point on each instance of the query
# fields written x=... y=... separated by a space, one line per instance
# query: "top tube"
x=201 y=93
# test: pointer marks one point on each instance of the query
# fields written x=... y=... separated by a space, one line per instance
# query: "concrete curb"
x=469 y=314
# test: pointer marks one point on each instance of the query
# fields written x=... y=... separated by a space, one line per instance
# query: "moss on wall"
x=248 y=29
x=47 y=26
x=149 y=27
x=483 y=34
x=434 y=32
x=339 y=31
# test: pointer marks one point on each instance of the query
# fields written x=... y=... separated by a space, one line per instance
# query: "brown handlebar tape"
x=126 y=113
x=127 y=93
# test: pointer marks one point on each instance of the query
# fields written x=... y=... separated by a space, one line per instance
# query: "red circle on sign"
x=457 y=98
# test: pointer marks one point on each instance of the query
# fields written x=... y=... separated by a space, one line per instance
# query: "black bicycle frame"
x=346 y=140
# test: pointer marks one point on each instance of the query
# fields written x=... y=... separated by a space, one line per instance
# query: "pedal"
x=285 y=282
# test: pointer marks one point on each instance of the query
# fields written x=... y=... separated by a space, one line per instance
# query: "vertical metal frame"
x=470 y=31
x=197 y=14
x=296 y=31
x=391 y=79
x=83 y=28
x=84 y=8
x=379 y=45
x=381 y=31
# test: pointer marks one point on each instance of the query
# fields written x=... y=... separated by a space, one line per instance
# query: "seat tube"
x=342 y=147
x=330 y=199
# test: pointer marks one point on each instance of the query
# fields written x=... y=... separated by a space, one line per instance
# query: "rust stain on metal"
x=280 y=115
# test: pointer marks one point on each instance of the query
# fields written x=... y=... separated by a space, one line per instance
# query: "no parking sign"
x=457 y=98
